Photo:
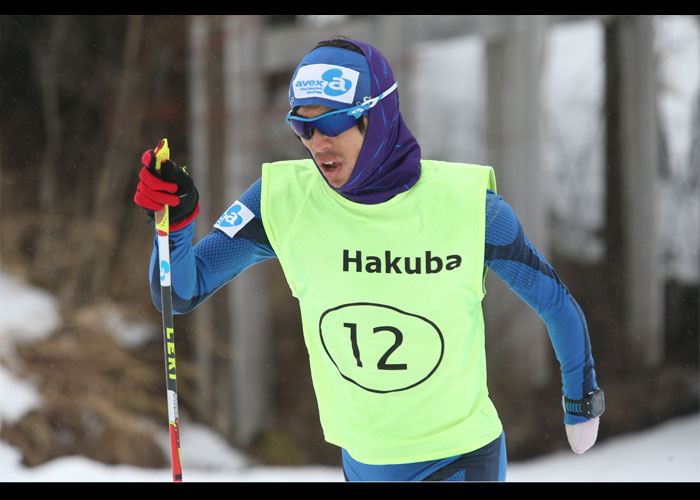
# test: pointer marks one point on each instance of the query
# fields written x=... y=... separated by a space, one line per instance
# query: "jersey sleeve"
x=513 y=258
x=236 y=242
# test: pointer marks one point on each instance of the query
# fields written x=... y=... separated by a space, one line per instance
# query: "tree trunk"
x=124 y=123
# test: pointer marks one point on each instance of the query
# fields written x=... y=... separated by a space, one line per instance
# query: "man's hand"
x=582 y=435
x=173 y=187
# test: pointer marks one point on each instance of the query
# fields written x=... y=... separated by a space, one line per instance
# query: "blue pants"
x=485 y=464
x=488 y=463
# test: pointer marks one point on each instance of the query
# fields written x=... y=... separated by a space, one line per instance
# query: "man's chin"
x=335 y=178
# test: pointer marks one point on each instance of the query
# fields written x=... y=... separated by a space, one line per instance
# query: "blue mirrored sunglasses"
x=333 y=123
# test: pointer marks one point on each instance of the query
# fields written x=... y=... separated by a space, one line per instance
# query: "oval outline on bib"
x=395 y=309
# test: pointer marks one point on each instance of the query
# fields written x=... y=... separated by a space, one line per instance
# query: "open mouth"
x=330 y=166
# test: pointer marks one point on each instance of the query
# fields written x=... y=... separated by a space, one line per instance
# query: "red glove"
x=173 y=187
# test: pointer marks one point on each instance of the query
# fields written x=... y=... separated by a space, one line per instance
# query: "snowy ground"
x=667 y=453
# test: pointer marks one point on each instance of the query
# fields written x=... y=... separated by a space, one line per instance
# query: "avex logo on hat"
x=327 y=81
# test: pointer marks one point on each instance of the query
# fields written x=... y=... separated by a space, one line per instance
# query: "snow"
x=17 y=303
x=669 y=452
x=206 y=458
x=35 y=304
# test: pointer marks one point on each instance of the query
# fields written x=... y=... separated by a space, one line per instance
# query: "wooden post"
x=631 y=234
x=199 y=34
x=392 y=35
x=514 y=56
x=250 y=380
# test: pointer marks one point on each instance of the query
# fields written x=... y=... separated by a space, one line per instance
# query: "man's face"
x=335 y=156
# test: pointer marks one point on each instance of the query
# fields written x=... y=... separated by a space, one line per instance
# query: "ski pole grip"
x=162 y=153
x=162 y=218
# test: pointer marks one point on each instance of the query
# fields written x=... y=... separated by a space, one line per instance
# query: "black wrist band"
x=593 y=405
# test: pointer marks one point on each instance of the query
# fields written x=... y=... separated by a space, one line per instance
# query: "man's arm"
x=515 y=260
x=233 y=245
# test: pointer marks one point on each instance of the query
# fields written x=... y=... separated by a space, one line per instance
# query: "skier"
x=387 y=254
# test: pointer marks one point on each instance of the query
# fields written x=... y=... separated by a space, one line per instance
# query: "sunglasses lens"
x=302 y=129
x=330 y=125
x=334 y=125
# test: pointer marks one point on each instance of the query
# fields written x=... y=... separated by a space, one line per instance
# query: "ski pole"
x=162 y=220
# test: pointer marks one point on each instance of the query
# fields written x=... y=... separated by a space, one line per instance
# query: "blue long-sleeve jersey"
x=200 y=270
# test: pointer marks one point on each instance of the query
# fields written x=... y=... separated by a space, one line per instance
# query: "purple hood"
x=389 y=161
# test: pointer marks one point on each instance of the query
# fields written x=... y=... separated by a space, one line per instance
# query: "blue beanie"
x=344 y=83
